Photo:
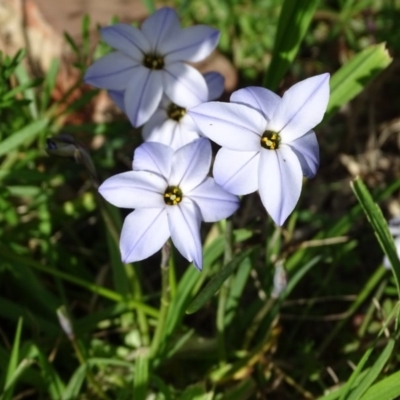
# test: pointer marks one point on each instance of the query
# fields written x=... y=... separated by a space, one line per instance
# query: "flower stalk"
x=223 y=294
x=165 y=299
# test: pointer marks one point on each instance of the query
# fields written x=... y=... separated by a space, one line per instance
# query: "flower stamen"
x=173 y=195
x=270 y=140
x=153 y=61
x=175 y=112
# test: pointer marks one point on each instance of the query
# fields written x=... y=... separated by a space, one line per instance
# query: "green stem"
x=368 y=288
x=172 y=276
x=89 y=374
x=223 y=294
x=165 y=300
x=99 y=290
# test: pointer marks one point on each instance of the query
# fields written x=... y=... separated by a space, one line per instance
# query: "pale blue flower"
x=171 y=124
x=267 y=141
x=151 y=61
x=171 y=194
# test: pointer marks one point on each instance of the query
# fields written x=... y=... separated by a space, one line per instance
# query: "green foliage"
x=274 y=308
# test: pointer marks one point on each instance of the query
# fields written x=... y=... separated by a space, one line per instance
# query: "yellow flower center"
x=173 y=195
x=270 y=140
x=175 y=112
x=153 y=61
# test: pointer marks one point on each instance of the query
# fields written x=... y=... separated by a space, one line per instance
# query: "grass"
x=302 y=311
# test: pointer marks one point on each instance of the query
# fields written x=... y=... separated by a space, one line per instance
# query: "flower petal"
x=164 y=23
x=143 y=95
x=190 y=165
x=134 y=189
x=307 y=151
x=153 y=157
x=215 y=83
x=172 y=133
x=117 y=96
x=112 y=71
x=237 y=171
x=234 y=126
x=127 y=39
x=184 y=224
x=188 y=124
x=144 y=233
x=214 y=202
x=279 y=182
x=154 y=125
x=259 y=98
x=184 y=85
x=302 y=107
x=192 y=44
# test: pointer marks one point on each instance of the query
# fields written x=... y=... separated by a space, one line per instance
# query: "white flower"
x=267 y=141
x=150 y=61
x=171 y=194
x=171 y=124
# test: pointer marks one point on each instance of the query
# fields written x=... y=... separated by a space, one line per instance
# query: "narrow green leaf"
x=245 y=389
x=13 y=362
x=379 y=225
x=29 y=93
x=49 y=83
x=55 y=385
x=216 y=282
x=293 y=24
x=337 y=392
x=141 y=379
x=192 y=280
x=23 y=87
x=195 y=392
x=72 y=43
x=236 y=289
x=351 y=78
x=386 y=389
x=374 y=372
x=18 y=138
x=73 y=388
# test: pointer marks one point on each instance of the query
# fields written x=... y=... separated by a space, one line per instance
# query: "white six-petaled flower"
x=151 y=61
x=171 y=194
x=267 y=141
x=171 y=124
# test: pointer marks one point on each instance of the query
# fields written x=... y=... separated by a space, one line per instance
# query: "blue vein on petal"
x=141 y=96
x=193 y=161
x=141 y=237
x=183 y=84
x=260 y=108
x=192 y=44
x=109 y=74
x=167 y=11
x=245 y=164
x=125 y=37
x=195 y=206
x=156 y=163
x=305 y=102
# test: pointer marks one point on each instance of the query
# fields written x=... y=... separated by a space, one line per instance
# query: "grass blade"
x=351 y=79
x=18 y=138
x=216 y=282
x=293 y=24
x=141 y=380
x=379 y=225
x=13 y=363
